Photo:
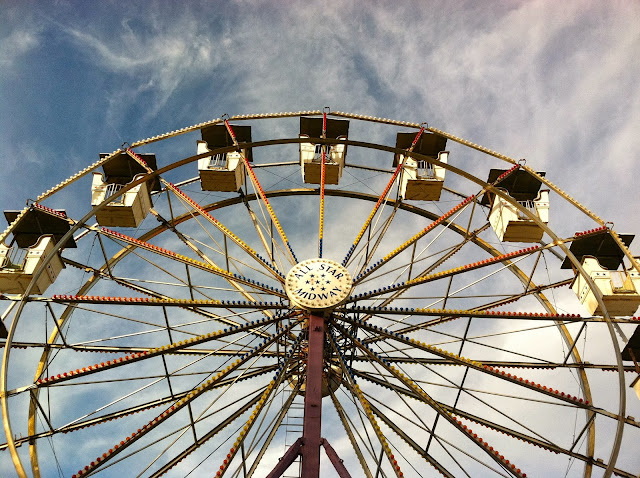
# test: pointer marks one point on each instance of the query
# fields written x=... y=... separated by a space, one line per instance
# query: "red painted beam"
x=335 y=459
x=287 y=459
x=311 y=431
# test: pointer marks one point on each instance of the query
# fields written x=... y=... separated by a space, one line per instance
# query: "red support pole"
x=335 y=460
x=287 y=459
x=313 y=400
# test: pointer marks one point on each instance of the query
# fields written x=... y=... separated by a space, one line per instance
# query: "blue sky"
x=556 y=83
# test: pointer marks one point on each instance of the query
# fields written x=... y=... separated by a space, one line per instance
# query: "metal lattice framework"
x=174 y=348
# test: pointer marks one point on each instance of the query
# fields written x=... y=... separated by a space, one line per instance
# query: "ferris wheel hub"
x=318 y=284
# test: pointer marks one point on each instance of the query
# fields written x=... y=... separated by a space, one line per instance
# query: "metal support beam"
x=308 y=446
x=285 y=462
x=575 y=341
x=335 y=460
x=313 y=400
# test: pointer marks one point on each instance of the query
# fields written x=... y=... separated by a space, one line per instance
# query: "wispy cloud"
x=155 y=62
x=14 y=46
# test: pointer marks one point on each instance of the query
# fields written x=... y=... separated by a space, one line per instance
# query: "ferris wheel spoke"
x=88 y=344
x=396 y=294
x=447 y=315
x=128 y=411
x=356 y=392
x=264 y=434
x=398 y=375
x=322 y=184
x=383 y=381
x=505 y=260
x=463 y=361
x=277 y=252
x=413 y=444
x=229 y=260
x=454 y=408
x=447 y=445
x=132 y=284
x=191 y=288
x=177 y=458
x=209 y=352
x=119 y=399
x=259 y=408
x=453 y=420
x=201 y=416
x=528 y=291
x=230 y=319
x=261 y=193
x=229 y=276
x=361 y=432
x=191 y=243
x=167 y=302
x=180 y=430
x=502 y=429
x=158 y=351
x=375 y=235
x=530 y=439
x=349 y=431
x=438 y=258
x=380 y=202
x=261 y=229
x=510 y=364
x=457 y=210
x=192 y=395
x=273 y=430
x=443 y=219
x=193 y=205
x=450 y=314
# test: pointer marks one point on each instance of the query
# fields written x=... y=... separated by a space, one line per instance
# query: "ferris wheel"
x=312 y=294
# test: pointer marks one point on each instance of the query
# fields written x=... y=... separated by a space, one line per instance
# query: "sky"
x=553 y=82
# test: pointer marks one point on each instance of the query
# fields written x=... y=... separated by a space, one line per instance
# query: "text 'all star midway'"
x=318 y=284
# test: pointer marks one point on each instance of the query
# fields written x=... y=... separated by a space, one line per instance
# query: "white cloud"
x=156 y=62
x=17 y=44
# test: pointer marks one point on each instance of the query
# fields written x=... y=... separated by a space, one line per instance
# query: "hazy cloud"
x=15 y=45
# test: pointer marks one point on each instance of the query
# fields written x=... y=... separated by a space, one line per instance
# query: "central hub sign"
x=318 y=284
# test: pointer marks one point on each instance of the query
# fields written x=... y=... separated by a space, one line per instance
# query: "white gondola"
x=221 y=171
x=421 y=180
x=619 y=289
x=512 y=225
x=130 y=208
x=311 y=152
x=224 y=172
x=509 y=222
x=603 y=262
x=35 y=235
x=17 y=266
x=311 y=162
